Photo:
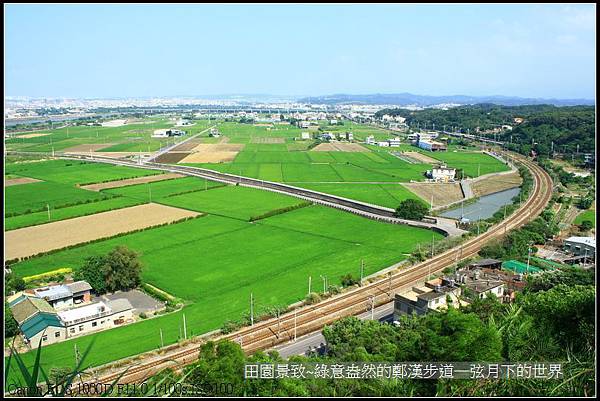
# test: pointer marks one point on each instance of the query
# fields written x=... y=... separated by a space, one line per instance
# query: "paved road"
x=373 y=212
x=305 y=344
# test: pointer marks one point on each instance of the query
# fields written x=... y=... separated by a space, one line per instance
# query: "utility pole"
x=162 y=344
x=48 y=207
x=149 y=193
x=362 y=270
x=528 y=257
x=184 y=328
x=390 y=283
x=251 y=310
x=372 y=307
x=432 y=243
x=309 y=283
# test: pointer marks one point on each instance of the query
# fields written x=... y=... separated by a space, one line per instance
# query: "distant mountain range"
x=405 y=99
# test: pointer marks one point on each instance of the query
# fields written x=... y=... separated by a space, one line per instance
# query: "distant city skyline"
x=129 y=51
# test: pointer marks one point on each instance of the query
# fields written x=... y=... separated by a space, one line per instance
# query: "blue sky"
x=176 y=50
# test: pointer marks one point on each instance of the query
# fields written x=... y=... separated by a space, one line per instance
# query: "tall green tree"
x=411 y=209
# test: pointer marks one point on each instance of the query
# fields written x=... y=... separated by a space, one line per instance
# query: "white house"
x=305 y=135
x=383 y=143
x=96 y=316
x=370 y=140
x=394 y=142
x=442 y=173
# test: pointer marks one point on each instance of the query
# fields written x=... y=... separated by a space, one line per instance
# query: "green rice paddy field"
x=288 y=161
x=133 y=137
x=216 y=261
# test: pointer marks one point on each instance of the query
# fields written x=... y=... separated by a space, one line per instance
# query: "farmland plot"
x=30 y=241
x=130 y=181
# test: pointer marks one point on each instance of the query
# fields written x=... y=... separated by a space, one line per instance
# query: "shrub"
x=313 y=298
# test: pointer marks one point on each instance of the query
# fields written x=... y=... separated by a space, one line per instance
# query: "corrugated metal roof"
x=79 y=286
x=40 y=322
x=54 y=292
x=16 y=298
x=29 y=306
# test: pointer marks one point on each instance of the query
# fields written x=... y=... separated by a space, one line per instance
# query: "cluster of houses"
x=340 y=136
x=427 y=142
x=167 y=133
x=475 y=281
x=441 y=173
x=390 y=142
x=59 y=312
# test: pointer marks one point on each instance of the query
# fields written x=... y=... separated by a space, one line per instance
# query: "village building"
x=441 y=173
x=65 y=295
x=432 y=146
x=457 y=289
x=96 y=316
x=581 y=246
x=37 y=320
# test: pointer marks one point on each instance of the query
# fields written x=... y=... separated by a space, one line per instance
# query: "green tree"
x=122 y=269
x=411 y=209
x=11 y=327
x=14 y=283
x=92 y=271
x=457 y=336
x=586 y=225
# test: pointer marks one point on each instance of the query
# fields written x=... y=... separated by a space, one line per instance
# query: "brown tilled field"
x=420 y=157
x=339 y=147
x=171 y=157
x=443 y=194
x=496 y=183
x=31 y=135
x=131 y=181
x=189 y=145
x=19 y=181
x=86 y=147
x=213 y=153
x=30 y=241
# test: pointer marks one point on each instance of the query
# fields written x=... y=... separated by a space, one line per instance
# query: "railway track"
x=266 y=334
